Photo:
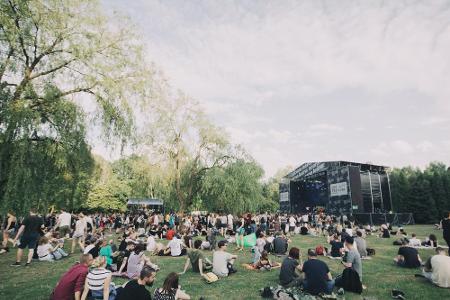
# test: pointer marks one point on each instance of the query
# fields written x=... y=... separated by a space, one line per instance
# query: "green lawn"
x=379 y=274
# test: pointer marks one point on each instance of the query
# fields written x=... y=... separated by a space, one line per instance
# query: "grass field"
x=379 y=274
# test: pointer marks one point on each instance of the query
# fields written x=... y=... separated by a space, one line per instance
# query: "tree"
x=190 y=143
x=57 y=59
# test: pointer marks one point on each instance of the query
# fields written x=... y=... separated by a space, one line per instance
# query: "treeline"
x=425 y=193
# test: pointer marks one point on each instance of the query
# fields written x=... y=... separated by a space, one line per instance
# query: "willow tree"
x=62 y=67
x=190 y=144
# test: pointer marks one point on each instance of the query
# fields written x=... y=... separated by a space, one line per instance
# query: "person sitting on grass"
x=384 y=231
x=200 y=263
x=336 y=246
x=71 y=284
x=414 y=241
x=437 y=269
x=352 y=257
x=171 y=290
x=430 y=241
x=98 y=281
x=264 y=263
x=175 y=247
x=123 y=258
x=135 y=289
x=408 y=256
x=361 y=244
x=223 y=261
x=290 y=269
x=280 y=244
x=137 y=260
x=107 y=252
x=318 y=278
x=46 y=252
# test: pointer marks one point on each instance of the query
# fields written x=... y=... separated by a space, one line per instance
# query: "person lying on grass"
x=195 y=257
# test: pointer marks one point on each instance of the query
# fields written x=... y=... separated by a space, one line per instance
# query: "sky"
x=301 y=81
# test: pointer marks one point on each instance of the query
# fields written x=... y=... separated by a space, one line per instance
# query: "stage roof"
x=310 y=168
x=145 y=201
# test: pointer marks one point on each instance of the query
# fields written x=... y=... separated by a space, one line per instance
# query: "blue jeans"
x=329 y=288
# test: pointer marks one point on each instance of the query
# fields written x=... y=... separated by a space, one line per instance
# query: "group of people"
x=191 y=235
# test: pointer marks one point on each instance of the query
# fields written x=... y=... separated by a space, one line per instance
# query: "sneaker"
x=27 y=264
x=341 y=292
x=16 y=264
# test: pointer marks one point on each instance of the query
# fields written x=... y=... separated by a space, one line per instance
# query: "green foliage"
x=109 y=195
x=424 y=193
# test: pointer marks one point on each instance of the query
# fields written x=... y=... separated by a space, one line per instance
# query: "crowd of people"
x=143 y=234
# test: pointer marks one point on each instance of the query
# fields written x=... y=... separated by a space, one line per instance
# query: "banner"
x=338 y=189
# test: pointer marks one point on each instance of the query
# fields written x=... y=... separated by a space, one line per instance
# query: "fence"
x=395 y=219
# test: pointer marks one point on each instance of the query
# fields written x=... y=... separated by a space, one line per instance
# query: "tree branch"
x=78 y=90
x=52 y=69
x=21 y=41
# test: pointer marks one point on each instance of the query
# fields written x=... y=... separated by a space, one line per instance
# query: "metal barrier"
x=395 y=219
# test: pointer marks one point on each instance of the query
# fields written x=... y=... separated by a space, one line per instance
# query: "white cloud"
x=301 y=81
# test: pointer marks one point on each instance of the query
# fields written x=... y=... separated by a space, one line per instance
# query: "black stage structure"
x=341 y=187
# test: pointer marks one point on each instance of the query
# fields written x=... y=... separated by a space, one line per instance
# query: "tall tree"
x=62 y=64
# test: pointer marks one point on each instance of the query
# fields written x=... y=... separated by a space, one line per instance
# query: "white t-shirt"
x=260 y=243
x=220 y=260
x=414 y=242
x=175 y=247
x=441 y=270
x=151 y=244
x=80 y=227
x=230 y=220
x=292 y=222
x=88 y=248
x=64 y=219
x=44 y=250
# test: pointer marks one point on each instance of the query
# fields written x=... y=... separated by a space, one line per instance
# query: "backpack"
x=210 y=277
x=349 y=281
x=319 y=250
x=370 y=252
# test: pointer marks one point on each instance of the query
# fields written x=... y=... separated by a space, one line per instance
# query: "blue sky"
x=298 y=81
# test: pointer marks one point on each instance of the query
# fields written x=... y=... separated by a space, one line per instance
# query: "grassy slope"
x=379 y=275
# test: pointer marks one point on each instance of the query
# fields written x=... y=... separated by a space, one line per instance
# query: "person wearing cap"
x=317 y=275
x=222 y=260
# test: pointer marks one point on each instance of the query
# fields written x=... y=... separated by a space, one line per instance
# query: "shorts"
x=78 y=235
x=224 y=226
x=291 y=228
x=63 y=231
x=29 y=241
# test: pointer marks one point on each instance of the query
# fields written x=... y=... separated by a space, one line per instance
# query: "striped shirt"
x=96 y=278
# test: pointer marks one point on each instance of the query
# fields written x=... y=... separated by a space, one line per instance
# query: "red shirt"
x=170 y=233
x=71 y=282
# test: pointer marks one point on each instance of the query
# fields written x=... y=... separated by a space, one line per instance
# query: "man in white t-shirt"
x=437 y=269
x=230 y=221
x=79 y=233
x=63 y=223
x=414 y=241
x=223 y=261
x=176 y=247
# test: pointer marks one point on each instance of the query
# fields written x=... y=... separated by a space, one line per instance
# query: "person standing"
x=31 y=228
x=71 y=284
x=80 y=233
x=445 y=225
x=63 y=223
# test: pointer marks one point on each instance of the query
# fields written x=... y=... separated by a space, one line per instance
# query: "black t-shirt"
x=32 y=225
x=287 y=271
x=134 y=291
x=280 y=245
x=316 y=274
x=446 y=228
x=335 y=247
x=410 y=255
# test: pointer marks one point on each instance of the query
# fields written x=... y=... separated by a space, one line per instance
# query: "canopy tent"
x=156 y=204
